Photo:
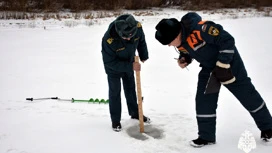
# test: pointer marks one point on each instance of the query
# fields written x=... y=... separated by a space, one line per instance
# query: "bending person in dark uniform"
x=214 y=48
x=119 y=44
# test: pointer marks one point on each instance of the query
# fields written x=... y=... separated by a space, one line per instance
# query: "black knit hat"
x=167 y=30
x=126 y=26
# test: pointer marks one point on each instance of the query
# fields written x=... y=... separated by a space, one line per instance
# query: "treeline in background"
x=82 y=5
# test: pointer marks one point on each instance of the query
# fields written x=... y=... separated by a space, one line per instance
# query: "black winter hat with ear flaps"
x=167 y=30
x=126 y=26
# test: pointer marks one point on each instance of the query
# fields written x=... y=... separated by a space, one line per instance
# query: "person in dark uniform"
x=214 y=48
x=119 y=44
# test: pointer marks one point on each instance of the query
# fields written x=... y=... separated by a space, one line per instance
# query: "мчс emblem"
x=110 y=40
x=247 y=142
x=213 y=31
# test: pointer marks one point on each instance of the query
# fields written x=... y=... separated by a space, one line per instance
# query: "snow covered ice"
x=67 y=62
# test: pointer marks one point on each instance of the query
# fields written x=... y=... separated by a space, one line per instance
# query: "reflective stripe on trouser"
x=206 y=105
x=249 y=97
x=114 y=82
x=243 y=90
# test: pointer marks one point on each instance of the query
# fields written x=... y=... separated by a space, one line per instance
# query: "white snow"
x=67 y=62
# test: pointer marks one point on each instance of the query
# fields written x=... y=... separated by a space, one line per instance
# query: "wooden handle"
x=139 y=97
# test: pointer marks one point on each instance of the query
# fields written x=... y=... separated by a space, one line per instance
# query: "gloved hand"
x=136 y=66
x=223 y=73
x=185 y=58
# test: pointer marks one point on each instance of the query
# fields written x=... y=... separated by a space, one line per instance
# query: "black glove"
x=187 y=58
x=223 y=73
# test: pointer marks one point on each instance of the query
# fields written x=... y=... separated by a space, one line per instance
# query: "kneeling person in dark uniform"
x=119 y=45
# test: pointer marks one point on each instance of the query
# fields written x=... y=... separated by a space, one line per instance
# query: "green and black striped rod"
x=73 y=100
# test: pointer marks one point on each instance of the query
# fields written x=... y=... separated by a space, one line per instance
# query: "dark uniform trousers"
x=242 y=89
x=114 y=81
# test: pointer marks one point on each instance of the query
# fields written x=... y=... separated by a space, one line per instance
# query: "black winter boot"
x=201 y=142
x=116 y=126
x=266 y=135
x=146 y=119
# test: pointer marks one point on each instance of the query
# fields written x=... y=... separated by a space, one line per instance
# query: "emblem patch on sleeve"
x=213 y=31
x=110 y=40
x=139 y=25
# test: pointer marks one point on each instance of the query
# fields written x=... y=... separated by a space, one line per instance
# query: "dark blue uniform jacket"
x=207 y=42
x=118 y=54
